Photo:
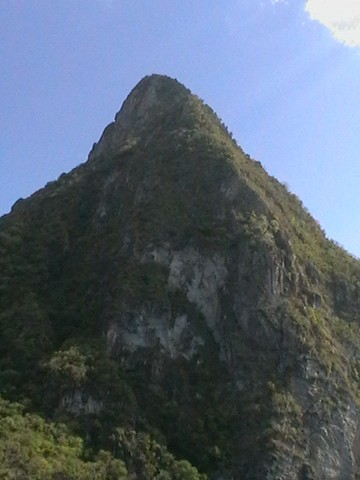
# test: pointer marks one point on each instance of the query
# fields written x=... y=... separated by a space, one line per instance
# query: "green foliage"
x=259 y=230
x=68 y=367
x=144 y=282
x=25 y=338
x=149 y=460
x=31 y=448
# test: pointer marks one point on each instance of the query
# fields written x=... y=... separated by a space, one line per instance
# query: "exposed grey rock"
x=79 y=403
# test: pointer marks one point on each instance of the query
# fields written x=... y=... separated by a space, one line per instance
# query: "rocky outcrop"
x=79 y=403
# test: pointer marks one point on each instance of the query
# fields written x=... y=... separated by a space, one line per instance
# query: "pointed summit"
x=152 y=96
x=147 y=106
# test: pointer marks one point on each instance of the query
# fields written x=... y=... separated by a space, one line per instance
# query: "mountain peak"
x=157 y=88
x=149 y=103
x=151 y=97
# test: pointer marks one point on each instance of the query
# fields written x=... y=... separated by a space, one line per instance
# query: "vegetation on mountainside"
x=31 y=448
x=72 y=258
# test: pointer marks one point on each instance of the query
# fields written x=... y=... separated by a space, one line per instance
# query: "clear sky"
x=284 y=75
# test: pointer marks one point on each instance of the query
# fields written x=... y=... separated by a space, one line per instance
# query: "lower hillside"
x=31 y=448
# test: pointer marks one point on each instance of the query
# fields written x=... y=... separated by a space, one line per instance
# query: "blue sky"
x=283 y=75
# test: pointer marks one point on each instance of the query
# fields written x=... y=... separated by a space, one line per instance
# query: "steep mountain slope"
x=170 y=290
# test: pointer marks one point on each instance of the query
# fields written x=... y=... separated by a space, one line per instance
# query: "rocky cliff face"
x=233 y=319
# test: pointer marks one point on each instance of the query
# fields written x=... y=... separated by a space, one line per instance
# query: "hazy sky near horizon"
x=284 y=75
